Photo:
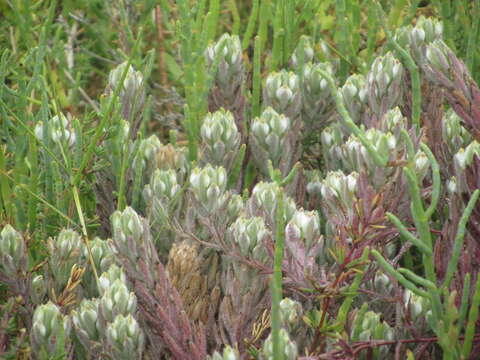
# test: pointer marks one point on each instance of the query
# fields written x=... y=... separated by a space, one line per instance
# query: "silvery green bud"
x=230 y=63
x=235 y=206
x=339 y=189
x=306 y=225
x=282 y=92
x=228 y=354
x=220 y=137
x=354 y=94
x=117 y=300
x=264 y=195
x=464 y=157
x=86 y=322
x=248 y=234
x=316 y=93
x=127 y=224
x=163 y=186
x=13 y=258
x=132 y=94
x=48 y=326
x=438 y=57
x=270 y=131
x=101 y=253
x=290 y=313
x=208 y=185
x=65 y=251
x=422 y=164
x=393 y=121
x=289 y=348
x=58 y=130
x=452 y=185
x=416 y=305
x=147 y=152
x=373 y=328
x=454 y=134
x=383 y=284
x=306 y=49
x=109 y=277
x=125 y=339
x=332 y=142
x=416 y=38
x=384 y=84
x=38 y=290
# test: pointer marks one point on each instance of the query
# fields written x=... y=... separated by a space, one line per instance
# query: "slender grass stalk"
x=464 y=304
x=471 y=322
x=343 y=37
x=263 y=22
x=251 y=24
x=277 y=277
x=235 y=16
x=257 y=81
x=472 y=38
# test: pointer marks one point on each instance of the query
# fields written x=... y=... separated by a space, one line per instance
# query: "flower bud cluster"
x=58 y=130
x=282 y=93
x=290 y=313
x=339 y=191
x=416 y=306
x=316 y=95
x=228 y=51
x=248 y=235
x=306 y=226
x=264 y=202
x=13 y=258
x=354 y=94
x=48 y=327
x=125 y=339
x=453 y=133
x=416 y=38
x=65 y=251
x=384 y=84
x=372 y=327
x=228 y=354
x=208 y=185
x=220 y=137
x=269 y=132
x=288 y=347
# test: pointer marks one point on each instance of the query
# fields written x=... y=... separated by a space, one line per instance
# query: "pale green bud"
x=230 y=59
x=13 y=258
x=209 y=185
x=235 y=206
x=147 y=152
x=65 y=251
x=384 y=83
x=306 y=225
x=59 y=130
x=117 y=300
x=282 y=92
x=290 y=312
x=109 y=277
x=163 y=186
x=316 y=93
x=101 y=253
x=288 y=347
x=248 y=234
x=338 y=188
x=416 y=305
x=306 y=49
x=47 y=326
x=422 y=164
x=125 y=339
x=393 y=121
x=453 y=133
x=86 y=322
x=127 y=224
x=220 y=137
x=228 y=354
x=383 y=284
x=269 y=132
x=264 y=196
x=354 y=93
x=437 y=55
x=38 y=290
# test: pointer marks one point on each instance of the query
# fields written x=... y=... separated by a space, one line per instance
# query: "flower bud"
x=208 y=185
x=230 y=64
x=58 y=129
x=306 y=49
x=269 y=132
x=316 y=94
x=307 y=225
x=13 y=258
x=132 y=93
x=264 y=199
x=338 y=190
x=228 y=354
x=86 y=322
x=288 y=347
x=101 y=253
x=125 y=339
x=393 y=121
x=290 y=313
x=65 y=251
x=109 y=277
x=39 y=289
x=220 y=137
x=453 y=133
x=416 y=305
x=282 y=93
x=248 y=234
x=146 y=154
x=354 y=94
x=416 y=38
x=384 y=84
x=48 y=326
x=163 y=186
x=117 y=300
x=438 y=57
